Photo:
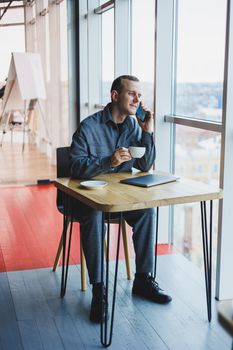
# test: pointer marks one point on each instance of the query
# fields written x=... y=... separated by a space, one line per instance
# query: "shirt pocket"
x=100 y=151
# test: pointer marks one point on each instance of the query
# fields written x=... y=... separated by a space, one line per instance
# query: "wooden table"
x=118 y=197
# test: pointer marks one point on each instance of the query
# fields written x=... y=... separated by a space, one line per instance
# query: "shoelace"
x=153 y=283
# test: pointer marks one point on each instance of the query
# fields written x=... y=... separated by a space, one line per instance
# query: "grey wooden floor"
x=32 y=315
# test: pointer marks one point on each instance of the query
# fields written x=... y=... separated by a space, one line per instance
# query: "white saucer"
x=93 y=184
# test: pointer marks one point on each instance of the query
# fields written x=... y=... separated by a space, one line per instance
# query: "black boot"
x=97 y=313
x=144 y=285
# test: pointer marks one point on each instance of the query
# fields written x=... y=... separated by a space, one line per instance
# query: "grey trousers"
x=143 y=227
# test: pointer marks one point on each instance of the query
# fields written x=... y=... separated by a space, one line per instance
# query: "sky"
x=201 y=40
x=12 y=39
x=200 y=53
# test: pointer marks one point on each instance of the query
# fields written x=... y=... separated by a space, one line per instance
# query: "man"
x=100 y=145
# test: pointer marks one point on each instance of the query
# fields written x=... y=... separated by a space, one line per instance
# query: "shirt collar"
x=107 y=116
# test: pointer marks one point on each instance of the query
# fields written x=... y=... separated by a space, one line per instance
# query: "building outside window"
x=198 y=94
x=200 y=58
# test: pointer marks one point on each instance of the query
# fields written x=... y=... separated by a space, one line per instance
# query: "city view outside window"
x=143 y=34
x=198 y=94
x=200 y=58
x=197 y=154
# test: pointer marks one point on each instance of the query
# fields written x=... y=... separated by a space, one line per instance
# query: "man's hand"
x=120 y=155
x=148 y=124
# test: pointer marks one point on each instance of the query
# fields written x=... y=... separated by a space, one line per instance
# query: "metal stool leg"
x=82 y=257
x=82 y=261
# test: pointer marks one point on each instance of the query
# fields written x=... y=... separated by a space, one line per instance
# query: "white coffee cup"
x=137 y=152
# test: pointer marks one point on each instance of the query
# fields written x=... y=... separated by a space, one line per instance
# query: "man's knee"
x=84 y=213
x=139 y=216
x=92 y=216
x=148 y=212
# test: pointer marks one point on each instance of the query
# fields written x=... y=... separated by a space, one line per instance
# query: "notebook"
x=149 y=180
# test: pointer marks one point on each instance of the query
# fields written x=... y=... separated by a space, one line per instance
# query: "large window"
x=189 y=71
x=12 y=27
x=197 y=154
x=64 y=73
x=7 y=38
x=198 y=94
x=201 y=29
x=107 y=62
x=143 y=34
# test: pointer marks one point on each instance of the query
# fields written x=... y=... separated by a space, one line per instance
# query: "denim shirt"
x=97 y=138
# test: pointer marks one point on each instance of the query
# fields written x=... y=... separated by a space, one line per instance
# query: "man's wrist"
x=112 y=163
x=148 y=132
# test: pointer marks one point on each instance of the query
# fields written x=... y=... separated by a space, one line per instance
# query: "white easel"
x=25 y=82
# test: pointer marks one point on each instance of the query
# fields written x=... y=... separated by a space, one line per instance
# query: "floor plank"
x=30 y=335
x=185 y=315
x=35 y=315
x=49 y=336
x=24 y=167
x=24 y=242
x=10 y=337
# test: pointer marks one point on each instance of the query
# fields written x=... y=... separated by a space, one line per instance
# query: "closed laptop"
x=149 y=180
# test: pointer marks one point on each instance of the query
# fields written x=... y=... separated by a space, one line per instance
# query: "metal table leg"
x=105 y=332
x=67 y=218
x=156 y=241
x=207 y=252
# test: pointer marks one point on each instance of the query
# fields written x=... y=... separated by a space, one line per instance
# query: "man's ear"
x=114 y=95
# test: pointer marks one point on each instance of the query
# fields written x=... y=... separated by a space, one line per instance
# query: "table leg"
x=207 y=252
x=156 y=241
x=66 y=254
x=106 y=338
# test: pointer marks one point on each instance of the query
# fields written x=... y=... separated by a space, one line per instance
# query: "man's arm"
x=82 y=163
x=147 y=140
x=146 y=162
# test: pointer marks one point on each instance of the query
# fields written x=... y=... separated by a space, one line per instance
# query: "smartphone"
x=140 y=113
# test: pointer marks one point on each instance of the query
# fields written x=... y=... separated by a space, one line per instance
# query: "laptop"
x=149 y=180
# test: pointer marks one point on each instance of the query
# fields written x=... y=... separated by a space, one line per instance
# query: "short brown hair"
x=117 y=83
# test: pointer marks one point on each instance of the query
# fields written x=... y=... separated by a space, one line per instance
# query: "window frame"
x=166 y=120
